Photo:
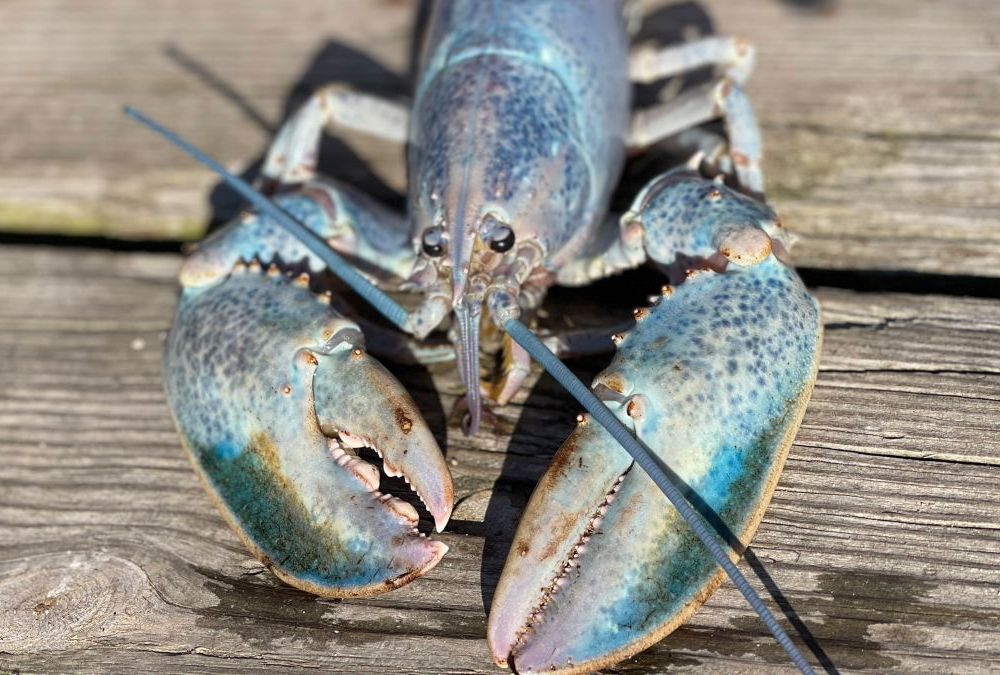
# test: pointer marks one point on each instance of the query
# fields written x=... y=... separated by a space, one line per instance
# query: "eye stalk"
x=502 y=239
x=432 y=241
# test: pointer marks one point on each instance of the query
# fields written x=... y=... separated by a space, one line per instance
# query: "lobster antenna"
x=531 y=344
x=385 y=305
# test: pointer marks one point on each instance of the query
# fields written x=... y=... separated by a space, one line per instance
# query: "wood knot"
x=72 y=600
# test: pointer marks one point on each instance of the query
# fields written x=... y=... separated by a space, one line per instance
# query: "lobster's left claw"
x=272 y=391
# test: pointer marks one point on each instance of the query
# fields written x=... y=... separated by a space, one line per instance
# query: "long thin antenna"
x=385 y=305
x=538 y=351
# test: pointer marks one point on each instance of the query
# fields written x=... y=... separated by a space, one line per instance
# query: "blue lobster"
x=516 y=138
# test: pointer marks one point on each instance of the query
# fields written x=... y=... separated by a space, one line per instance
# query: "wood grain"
x=882 y=536
x=880 y=118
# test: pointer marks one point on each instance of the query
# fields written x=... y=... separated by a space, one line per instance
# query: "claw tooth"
x=391 y=470
x=273 y=271
x=254 y=265
x=403 y=509
x=335 y=450
x=366 y=473
x=302 y=281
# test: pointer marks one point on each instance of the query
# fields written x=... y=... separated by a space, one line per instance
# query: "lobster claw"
x=272 y=392
x=714 y=379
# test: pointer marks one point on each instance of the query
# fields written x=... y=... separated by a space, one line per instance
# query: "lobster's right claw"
x=714 y=380
x=272 y=392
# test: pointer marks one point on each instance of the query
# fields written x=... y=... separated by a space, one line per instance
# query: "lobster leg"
x=725 y=98
x=735 y=55
x=292 y=157
x=714 y=378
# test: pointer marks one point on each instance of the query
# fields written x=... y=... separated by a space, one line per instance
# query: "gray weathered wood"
x=883 y=532
x=880 y=118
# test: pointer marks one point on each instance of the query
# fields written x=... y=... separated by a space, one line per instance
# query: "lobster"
x=516 y=136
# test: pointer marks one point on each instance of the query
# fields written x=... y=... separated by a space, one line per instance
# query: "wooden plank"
x=880 y=118
x=881 y=130
x=75 y=163
x=882 y=535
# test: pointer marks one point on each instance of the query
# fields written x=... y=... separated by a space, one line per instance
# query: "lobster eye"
x=432 y=241
x=502 y=239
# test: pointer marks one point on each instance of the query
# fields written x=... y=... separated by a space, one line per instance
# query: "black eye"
x=502 y=239
x=432 y=241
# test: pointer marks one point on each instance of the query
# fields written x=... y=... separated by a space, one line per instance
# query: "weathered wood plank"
x=882 y=535
x=880 y=118
x=881 y=130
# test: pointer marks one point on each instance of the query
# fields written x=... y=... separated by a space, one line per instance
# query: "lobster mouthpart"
x=714 y=380
x=272 y=392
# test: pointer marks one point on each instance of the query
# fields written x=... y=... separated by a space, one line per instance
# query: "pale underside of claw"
x=273 y=394
x=714 y=379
